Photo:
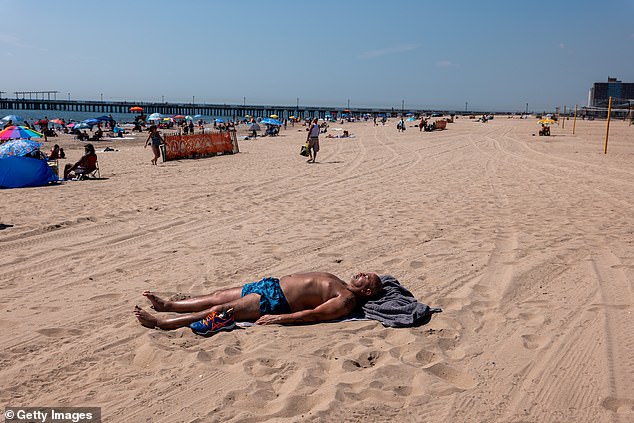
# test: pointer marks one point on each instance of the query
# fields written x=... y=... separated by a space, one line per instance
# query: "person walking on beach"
x=313 y=141
x=156 y=139
x=293 y=299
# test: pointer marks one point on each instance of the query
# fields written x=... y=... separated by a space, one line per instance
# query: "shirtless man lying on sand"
x=298 y=298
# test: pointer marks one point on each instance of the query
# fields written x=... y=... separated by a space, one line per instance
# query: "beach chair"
x=54 y=164
x=93 y=174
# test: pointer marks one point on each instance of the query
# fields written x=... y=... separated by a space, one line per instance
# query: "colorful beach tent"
x=21 y=172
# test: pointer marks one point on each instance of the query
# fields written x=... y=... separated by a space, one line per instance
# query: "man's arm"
x=332 y=309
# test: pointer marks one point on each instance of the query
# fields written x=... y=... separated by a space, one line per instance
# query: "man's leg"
x=246 y=308
x=200 y=303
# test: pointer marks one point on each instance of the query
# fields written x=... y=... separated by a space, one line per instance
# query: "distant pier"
x=232 y=110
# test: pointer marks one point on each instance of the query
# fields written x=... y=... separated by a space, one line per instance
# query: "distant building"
x=602 y=91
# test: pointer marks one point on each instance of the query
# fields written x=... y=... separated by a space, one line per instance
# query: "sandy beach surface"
x=526 y=242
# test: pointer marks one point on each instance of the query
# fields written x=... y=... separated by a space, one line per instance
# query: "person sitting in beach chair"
x=271 y=130
x=82 y=136
x=97 y=136
x=545 y=131
x=54 y=154
x=293 y=299
x=85 y=167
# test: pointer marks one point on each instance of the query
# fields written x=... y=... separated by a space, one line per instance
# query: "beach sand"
x=526 y=242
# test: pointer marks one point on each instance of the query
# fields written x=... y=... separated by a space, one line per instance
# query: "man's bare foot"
x=145 y=318
x=158 y=304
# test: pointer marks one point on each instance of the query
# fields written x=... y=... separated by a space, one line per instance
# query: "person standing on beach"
x=313 y=141
x=44 y=127
x=156 y=139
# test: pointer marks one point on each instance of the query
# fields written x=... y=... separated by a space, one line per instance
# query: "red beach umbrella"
x=136 y=109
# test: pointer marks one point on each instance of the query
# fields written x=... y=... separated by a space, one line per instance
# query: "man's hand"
x=269 y=319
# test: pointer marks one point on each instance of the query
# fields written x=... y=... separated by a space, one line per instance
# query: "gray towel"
x=397 y=307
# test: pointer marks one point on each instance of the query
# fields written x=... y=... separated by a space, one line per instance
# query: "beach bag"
x=304 y=150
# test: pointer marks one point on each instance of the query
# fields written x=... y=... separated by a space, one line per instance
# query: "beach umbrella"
x=14 y=118
x=82 y=125
x=189 y=118
x=547 y=121
x=269 y=121
x=104 y=118
x=18 y=132
x=155 y=116
x=18 y=148
x=220 y=121
x=198 y=116
x=57 y=121
x=136 y=109
x=41 y=122
x=91 y=121
x=179 y=117
x=274 y=117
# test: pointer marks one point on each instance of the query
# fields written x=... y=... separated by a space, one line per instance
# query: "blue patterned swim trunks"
x=272 y=299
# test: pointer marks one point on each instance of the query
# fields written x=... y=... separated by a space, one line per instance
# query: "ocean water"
x=34 y=115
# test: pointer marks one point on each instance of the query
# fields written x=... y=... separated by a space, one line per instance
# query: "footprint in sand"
x=105 y=297
x=532 y=342
x=532 y=318
x=416 y=264
x=455 y=377
x=363 y=361
x=619 y=405
x=391 y=262
x=59 y=332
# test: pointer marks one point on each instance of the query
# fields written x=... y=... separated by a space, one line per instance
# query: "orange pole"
x=607 y=127
x=574 y=122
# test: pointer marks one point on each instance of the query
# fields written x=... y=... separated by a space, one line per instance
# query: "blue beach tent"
x=21 y=172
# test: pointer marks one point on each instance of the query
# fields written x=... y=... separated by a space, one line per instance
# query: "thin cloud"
x=10 y=40
x=562 y=45
x=446 y=64
x=386 y=51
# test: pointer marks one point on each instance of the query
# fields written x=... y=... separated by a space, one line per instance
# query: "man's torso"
x=308 y=290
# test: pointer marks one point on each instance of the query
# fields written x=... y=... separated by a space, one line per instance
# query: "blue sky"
x=495 y=55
